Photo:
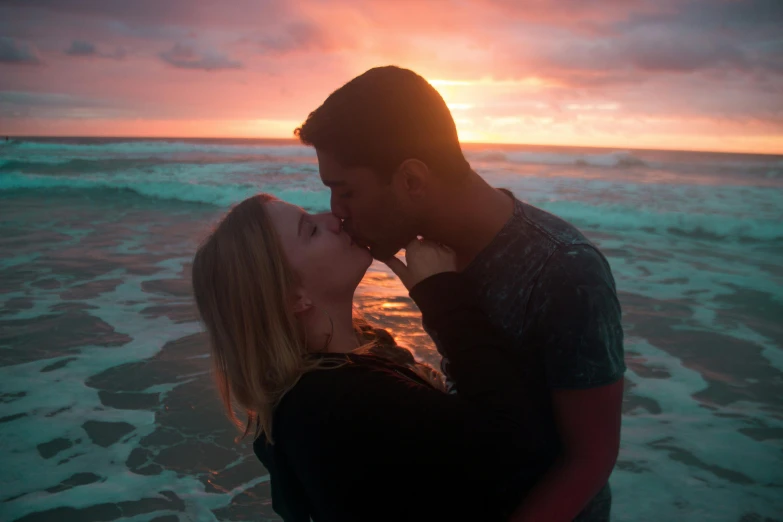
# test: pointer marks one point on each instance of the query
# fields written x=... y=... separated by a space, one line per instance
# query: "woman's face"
x=329 y=263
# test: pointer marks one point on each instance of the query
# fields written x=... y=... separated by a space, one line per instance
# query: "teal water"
x=107 y=411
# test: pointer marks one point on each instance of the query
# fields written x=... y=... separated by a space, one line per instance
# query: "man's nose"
x=337 y=209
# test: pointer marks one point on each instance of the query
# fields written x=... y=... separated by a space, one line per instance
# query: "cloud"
x=512 y=61
x=118 y=54
x=145 y=11
x=639 y=48
x=155 y=14
x=81 y=48
x=43 y=99
x=298 y=36
x=186 y=57
x=14 y=51
x=760 y=17
x=18 y=104
x=770 y=56
x=85 y=48
x=639 y=53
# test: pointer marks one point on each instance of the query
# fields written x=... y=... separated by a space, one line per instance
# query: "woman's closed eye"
x=314 y=231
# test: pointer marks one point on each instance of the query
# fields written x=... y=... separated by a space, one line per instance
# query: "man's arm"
x=578 y=321
x=588 y=422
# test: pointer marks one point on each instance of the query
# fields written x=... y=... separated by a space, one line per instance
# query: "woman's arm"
x=480 y=362
x=394 y=449
x=477 y=351
x=392 y=438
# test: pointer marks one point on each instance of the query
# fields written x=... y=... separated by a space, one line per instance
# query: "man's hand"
x=424 y=259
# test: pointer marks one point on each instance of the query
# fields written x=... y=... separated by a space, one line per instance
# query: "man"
x=388 y=149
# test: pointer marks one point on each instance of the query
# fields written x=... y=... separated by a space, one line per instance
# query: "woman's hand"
x=424 y=259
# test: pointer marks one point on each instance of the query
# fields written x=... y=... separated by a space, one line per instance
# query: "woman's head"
x=263 y=260
x=330 y=265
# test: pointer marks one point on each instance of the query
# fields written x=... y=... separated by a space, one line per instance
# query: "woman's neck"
x=330 y=328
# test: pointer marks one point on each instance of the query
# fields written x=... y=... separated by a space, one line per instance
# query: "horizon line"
x=462 y=142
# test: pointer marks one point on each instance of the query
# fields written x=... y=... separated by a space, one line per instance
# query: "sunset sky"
x=703 y=75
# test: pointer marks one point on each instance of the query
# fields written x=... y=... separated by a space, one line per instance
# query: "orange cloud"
x=626 y=73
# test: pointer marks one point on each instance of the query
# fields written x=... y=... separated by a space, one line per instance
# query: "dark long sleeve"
x=387 y=437
x=288 y=498
x=479 y=359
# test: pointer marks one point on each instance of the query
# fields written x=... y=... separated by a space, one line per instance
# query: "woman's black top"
x=372 y=441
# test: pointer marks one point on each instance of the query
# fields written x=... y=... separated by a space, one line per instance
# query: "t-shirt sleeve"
x=577 y=320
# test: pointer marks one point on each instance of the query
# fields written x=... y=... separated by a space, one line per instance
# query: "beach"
x=107 y=407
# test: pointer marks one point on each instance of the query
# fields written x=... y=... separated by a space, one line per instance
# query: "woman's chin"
x=367 y=261
x=362 y=253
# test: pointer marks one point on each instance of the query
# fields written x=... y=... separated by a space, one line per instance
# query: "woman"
x=352 y=429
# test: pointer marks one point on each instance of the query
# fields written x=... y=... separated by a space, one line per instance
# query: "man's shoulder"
x=507 y=270
x=553 y=228
x=566 y=248
x=525 y=243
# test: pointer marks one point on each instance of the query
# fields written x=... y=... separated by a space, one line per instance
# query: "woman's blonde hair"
x=244 y=288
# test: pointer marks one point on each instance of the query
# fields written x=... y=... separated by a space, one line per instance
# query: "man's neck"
x=468 y=218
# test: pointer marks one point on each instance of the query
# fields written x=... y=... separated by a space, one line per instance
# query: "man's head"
x=385 y=141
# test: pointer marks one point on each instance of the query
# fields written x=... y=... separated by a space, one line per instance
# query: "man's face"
x=375 y=211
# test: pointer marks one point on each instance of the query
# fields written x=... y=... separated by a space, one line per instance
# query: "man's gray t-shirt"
x=552 y=292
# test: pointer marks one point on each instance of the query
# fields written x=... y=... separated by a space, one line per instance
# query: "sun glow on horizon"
x=483 y=113
x=642 y=74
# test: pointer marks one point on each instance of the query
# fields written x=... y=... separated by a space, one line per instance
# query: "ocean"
x=107 y=408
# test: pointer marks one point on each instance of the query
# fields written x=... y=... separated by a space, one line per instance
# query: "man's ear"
x=302 y=303
x=414 y=176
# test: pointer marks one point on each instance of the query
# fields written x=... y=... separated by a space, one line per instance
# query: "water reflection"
x=383 y=301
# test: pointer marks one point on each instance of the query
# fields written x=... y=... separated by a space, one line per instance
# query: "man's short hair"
x=383 y=117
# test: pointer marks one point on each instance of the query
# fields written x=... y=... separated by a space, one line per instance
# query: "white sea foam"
x=687 y=246
x=153 y=148
x=683 y=429
x=701 y=211
x=610 y=159
x=51 y=391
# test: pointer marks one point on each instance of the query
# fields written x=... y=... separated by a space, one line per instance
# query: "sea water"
x=107 y=408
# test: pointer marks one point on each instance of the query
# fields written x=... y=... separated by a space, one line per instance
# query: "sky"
x=666 y=74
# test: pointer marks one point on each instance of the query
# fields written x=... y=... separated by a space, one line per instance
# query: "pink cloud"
x=16 y=52
x=576 y=63
x=187 y=57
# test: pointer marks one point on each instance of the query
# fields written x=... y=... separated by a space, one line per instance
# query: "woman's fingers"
x=423 y=259
x=426 y=258
x=399 y=268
